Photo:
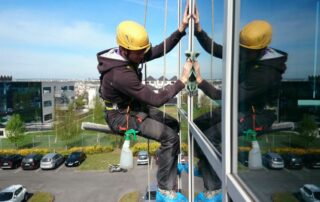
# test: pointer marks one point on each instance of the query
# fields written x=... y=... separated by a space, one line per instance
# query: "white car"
x=51 y=161
x=14 y=193
x=310 y=193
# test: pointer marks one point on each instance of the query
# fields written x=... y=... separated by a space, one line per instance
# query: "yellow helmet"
x=132 y=36
x=256 y=35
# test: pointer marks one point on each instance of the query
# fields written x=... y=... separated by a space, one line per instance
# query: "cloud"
x=49 y=46
x=32 y=64
x=21 y=26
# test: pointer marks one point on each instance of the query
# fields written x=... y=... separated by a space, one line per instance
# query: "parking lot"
x=265 y=182
x=69 y=184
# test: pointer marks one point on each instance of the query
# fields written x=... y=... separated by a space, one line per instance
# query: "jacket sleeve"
x=210 y=90
x=157 y=51
x=131 y=86
x=206 y=42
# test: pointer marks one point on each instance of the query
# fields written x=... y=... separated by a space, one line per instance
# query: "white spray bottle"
x=126 y=158
x=255 y=159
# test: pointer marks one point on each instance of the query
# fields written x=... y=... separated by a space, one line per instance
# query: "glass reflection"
x=283 y=109
x=207 y=105
x=207 y=109
x=23 y=98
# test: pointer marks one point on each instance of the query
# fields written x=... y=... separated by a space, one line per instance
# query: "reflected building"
x=298 y=98
x=35 y=101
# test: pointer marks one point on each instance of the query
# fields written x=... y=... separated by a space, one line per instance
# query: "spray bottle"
x=255 y=161
x=126 y=158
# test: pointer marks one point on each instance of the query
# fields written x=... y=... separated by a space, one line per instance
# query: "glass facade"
x=23 y=98
x=261 y=136
x=284 y=150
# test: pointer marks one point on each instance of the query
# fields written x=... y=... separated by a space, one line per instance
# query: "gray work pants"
x=157 y=126
x=210 y=125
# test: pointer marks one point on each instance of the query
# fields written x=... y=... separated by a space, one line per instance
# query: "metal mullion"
x=207 y=148
x=190 y=112
x=236 y=190
x=227 y=94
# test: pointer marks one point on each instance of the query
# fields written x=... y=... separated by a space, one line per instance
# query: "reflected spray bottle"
x=255 y=159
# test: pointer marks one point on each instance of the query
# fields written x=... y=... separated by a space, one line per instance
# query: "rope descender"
x=192 y=84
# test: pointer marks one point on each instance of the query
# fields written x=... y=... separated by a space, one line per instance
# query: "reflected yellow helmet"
x=132 y=36
x=256 y=35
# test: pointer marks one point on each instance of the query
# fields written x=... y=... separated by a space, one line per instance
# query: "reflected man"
x=260 y=75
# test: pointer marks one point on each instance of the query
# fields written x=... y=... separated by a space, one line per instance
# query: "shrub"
x=43 y=151
x=153 y=147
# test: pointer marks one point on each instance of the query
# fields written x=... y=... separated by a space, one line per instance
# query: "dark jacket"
x=259 y=79
x=121 y=81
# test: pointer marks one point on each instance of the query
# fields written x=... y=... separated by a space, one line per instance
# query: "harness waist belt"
x=114 y=106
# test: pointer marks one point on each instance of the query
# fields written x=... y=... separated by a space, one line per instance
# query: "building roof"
x=162 y=77
x=174 y=78
x=150 y=78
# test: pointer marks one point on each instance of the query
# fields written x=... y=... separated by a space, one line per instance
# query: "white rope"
x=179 y=97
x=145 y=12
x=145 y=79
x=211 y=58
x=164 y=49
x=165 y=42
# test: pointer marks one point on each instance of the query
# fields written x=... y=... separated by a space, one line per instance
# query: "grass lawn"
x=284 y=197
x=100 y=161
x=130 y=197
x=41 y=197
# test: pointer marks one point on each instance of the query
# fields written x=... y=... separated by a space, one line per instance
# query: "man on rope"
x=132 y=105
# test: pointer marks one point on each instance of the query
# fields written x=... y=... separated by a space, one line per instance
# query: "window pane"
x=278 y=97
x=207 y=103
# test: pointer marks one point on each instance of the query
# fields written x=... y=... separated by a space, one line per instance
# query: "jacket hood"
x=110 y=58
x=275 y=58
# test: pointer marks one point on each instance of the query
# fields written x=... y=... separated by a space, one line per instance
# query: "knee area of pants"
x=172 y=137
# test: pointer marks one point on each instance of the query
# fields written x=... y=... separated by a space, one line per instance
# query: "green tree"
x=80 y=101
x=98 y=111
x=307 y=128
x=67 y=125
x=15 y=129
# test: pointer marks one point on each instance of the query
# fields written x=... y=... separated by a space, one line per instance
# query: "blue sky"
x=59 y=39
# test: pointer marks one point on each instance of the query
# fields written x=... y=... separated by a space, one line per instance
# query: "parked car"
x=1 y=158
x=292 y=161
x=11 y=161
x=272 y=160
x=183 y=158
x=243 y=158
x=31 y=161
x=310 y=193
x=311 y=160
x=14 y=193
x=153 y=192
x=51 y=161
x=143 y=158
x=75 y=158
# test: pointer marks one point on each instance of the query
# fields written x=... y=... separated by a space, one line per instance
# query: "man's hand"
x=196 y=67
x=196 y=19
x=185 y=20
x=186 y=72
